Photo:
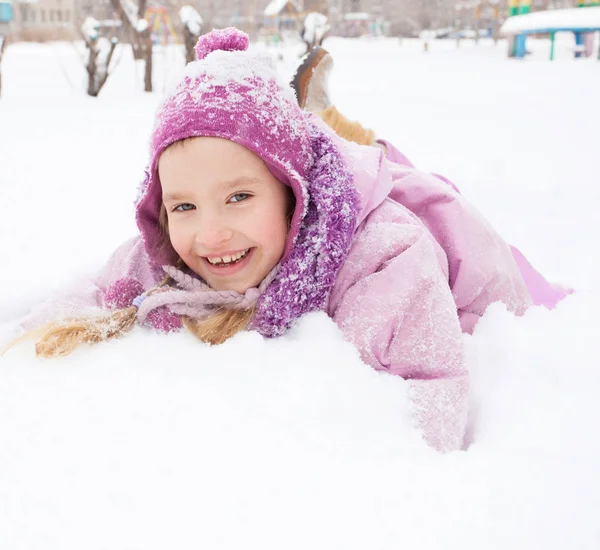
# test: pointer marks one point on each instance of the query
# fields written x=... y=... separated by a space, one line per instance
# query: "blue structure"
x=519 y=27
x=521 y=39
x=6 y=12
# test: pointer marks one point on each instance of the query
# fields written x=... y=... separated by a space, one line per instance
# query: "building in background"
x=41 y=20
x=61 y=19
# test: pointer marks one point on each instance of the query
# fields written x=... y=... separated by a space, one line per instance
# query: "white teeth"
x=227 y=259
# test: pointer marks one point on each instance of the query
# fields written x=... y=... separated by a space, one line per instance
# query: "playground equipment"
x=585 y=41
x=518 y=7
x=162 y=30
x=6 y=15
x=521 y=23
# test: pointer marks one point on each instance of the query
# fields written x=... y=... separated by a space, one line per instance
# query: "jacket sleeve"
x=393 y=302
x=481 y=266
x=86 y=296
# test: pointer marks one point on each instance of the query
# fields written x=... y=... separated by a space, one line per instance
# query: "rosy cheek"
x=178 y=239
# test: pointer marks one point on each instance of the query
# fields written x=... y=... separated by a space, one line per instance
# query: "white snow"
x=130 y=8
x=159 y=441
x=275 y=6
x=141 y=25
x=191 y=19
x=104 y=46
x=315 y=27
x=576 y=18
x=357 y=16
x=90 y=28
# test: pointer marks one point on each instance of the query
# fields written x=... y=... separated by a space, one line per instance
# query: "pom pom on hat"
x=229 y=40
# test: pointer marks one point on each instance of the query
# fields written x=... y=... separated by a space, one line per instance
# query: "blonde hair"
x=346 y=128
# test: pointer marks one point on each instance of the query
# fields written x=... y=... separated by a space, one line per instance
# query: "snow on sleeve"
x=393 y=302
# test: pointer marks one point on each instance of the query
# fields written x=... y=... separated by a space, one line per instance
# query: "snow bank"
x=159 y=440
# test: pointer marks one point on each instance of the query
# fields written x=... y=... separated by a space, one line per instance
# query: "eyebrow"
x=227 y=186
x=242 y=180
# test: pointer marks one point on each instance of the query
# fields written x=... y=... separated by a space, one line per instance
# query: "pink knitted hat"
x=234 y=94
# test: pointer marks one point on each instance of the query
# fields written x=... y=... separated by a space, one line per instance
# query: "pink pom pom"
x=164 y=320
x=121 y=293
x=229 y=40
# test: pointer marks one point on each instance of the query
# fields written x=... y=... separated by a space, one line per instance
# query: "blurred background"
x=103 y=24
x=62 y=19
x=41 y=20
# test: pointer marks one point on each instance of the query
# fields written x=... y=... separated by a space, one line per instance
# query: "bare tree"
x=100 y=52
x=192 y=27
x=3 y=41
x=133 y=19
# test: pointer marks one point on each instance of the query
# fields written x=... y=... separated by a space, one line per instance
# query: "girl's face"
x=227 y=214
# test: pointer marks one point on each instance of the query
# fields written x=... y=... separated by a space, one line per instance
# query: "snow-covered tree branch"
x=100 y=51
x=192 y=27
x=132 y=16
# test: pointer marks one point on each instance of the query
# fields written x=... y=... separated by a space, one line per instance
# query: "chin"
x=240 y=288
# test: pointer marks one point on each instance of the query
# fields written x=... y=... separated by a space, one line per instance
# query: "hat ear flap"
x=306 y=277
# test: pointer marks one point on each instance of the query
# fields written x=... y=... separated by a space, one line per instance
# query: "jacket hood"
x=371 y=177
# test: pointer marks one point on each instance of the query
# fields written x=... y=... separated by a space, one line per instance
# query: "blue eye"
x=239 y=197
x=185 y=207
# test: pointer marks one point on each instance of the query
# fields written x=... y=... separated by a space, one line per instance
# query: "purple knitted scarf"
x=306 y=277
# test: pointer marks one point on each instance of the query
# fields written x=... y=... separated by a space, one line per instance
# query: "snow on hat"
x=237 y=95
x=234 y=94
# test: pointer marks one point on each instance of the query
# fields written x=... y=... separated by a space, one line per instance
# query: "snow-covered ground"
x=158 y=441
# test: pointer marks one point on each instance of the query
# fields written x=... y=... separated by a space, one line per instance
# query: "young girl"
x=254 y=212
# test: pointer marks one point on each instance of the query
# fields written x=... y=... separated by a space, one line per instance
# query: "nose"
x=212 y=233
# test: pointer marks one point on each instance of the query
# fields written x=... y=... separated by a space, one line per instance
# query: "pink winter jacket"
x=423 y=265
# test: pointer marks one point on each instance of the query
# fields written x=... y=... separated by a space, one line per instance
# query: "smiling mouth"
x=225 y=261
